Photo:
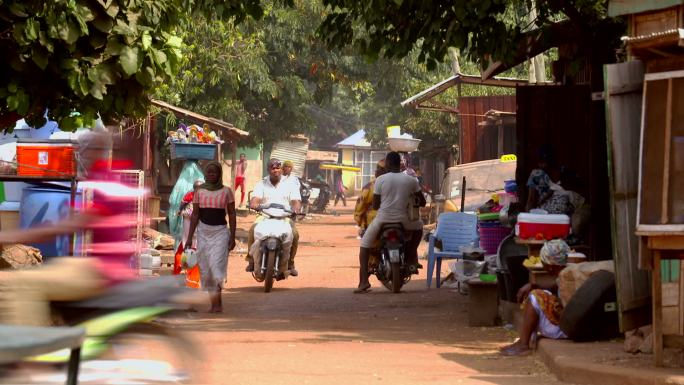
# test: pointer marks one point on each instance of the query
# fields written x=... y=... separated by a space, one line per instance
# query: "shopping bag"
x=192 y=277
x=177 y=259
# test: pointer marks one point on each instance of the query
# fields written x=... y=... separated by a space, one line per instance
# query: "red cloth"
x=177 y=265
x=187 y=198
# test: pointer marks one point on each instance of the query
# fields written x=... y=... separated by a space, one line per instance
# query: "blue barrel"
x=45 y=206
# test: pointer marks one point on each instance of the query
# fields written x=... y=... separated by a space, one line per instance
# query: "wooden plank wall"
x=480 y=143
x=565 y=118
x=624 y=85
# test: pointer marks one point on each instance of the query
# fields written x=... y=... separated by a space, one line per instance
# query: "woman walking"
x=339 y=190
x=211 y=203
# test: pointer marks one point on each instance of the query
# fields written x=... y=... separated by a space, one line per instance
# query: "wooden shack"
x=656 y=38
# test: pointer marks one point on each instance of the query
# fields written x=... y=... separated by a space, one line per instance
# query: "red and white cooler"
x=542 y=226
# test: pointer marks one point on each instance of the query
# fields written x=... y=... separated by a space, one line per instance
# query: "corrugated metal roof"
x=415 y=101
x=358 y=139
x=674 y=33
x=216 y=123
x=625 y=7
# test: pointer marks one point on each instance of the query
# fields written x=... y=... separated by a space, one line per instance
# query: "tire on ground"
x=584 y=318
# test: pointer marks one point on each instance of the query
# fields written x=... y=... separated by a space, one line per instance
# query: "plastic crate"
x=491 y=235
x=46 y=158
x=205 y=151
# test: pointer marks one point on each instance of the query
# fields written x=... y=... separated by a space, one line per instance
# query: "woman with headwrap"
x=541 y=307
x=211 y=203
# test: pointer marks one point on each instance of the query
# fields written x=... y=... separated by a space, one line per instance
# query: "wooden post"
x=463 y=192
x=459 y=160
x=72 y=205
x=657 y=310
x=664 y=214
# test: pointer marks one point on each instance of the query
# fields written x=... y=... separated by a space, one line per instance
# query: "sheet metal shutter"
x=294 y=150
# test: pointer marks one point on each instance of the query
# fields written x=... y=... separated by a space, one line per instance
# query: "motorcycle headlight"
x=271 y=244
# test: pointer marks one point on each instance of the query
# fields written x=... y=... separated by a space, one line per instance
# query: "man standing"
x=273 y=189
x=392 y=194
x=240 y=171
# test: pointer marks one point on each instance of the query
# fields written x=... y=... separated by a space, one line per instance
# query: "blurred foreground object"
x=19 y=256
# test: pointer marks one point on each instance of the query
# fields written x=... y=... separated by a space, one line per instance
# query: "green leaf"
x=45 y=42
x=18 y=9
x=82 y=84
x=18 y=33
x=31 y=29
x=129 y=59
x=174 y=41
x=145 y=77
x=114 y=47
x=159 y=57
x=103 y=24
x=12 y=87
x=68 y=32
x=69 y=64
x=12 y=103
x=39 y=56
x=146 y=40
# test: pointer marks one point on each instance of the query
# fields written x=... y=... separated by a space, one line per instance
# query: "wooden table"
x=663 y=246
x=20 y=342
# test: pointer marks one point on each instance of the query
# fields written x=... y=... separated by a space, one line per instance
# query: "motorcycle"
x=271 y=236
x=123 y=314
x=321 y=194
x=392 y=270
x=305 y=192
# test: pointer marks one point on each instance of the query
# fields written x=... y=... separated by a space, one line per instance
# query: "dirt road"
x=312 y=330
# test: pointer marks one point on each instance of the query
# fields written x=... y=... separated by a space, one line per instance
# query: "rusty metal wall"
x=480 y=143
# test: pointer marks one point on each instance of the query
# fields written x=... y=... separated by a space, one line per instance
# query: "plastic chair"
x=454 y=230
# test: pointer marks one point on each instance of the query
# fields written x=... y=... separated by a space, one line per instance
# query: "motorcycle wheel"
x=270 y=271
x=397 y=278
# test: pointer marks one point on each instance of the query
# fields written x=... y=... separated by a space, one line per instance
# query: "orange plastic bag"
x=177 y=265
x=192 y=277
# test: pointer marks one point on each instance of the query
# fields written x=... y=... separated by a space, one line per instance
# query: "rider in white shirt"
x=288 y=176
x=393 y=194
x=275 y=189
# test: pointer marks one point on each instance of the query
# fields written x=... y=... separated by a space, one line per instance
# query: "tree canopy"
x=94 y=55
x=483 y=29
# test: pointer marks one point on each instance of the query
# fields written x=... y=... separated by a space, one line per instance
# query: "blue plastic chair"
x=454 y=230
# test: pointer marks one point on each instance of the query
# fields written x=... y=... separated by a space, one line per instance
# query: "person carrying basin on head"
x=393 y=193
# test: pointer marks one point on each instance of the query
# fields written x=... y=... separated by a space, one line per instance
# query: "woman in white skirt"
x=211 y=203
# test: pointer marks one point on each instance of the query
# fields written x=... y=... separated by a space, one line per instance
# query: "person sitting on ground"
x=272 y=189
x=541 y=305
x=392 y=195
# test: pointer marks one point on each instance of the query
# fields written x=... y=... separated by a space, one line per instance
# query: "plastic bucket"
x=42 y=207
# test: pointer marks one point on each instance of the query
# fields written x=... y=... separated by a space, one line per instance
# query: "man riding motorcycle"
x=293 y=180
x=392 y=195
x=274 y=189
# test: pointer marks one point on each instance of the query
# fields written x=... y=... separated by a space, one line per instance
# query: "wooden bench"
x=20 y=342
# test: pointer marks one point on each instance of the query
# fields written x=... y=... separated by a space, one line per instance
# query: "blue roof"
x=358 y=139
